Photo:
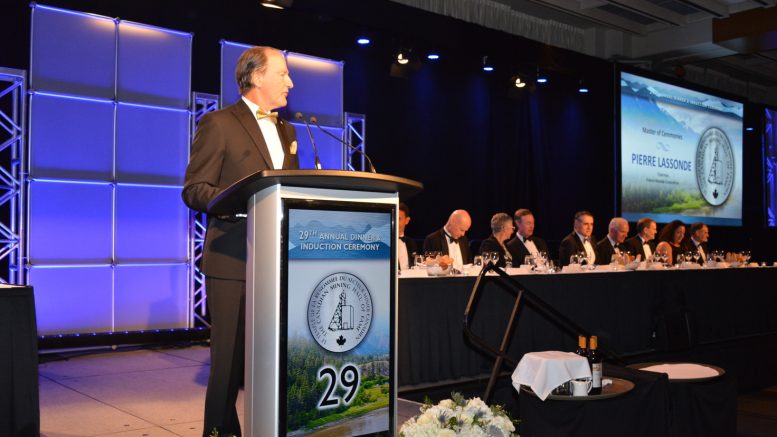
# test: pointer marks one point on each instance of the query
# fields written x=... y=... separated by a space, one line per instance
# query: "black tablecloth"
x=627 y=310
x=19 y=407
x=654 y=408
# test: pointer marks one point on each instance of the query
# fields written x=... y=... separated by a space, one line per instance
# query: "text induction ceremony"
x=400 y=218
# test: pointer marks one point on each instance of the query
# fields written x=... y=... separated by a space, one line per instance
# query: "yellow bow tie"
x=273 y=116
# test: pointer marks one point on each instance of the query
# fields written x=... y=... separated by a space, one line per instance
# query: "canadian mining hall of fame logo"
x=714 y=166
x=340 y=312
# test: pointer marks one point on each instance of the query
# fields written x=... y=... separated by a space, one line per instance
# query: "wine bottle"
x=595 y=360
x=582 y=348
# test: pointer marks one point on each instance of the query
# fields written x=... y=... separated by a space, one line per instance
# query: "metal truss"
x=13 y=120
x=202 y=103
x=355 y=135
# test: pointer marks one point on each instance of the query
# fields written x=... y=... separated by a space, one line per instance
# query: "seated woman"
x=670 y=239
x=501 y=230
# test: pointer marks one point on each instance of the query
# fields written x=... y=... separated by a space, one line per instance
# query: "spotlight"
x=541 y=77
x=363 y=41
x=402 y=58
x=276 y=4
x=517 y=82
x=582 y=87
x=432 y=56
x=486 y=65
x=749 y=129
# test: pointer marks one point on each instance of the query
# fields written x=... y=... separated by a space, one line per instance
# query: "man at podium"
x=230 y=144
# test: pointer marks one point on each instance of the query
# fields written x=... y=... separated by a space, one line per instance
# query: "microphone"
x=355 y=149
x=312 y=141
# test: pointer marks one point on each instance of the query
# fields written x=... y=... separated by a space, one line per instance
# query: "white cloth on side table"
x=544 y=371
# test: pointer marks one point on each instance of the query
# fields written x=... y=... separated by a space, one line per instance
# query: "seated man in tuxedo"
x=700 y=233
x=644 y=243
x=501 y=230
x=613 y=244
x=580 y=240
x=451 y=240
x=525 y=242
x=406 y=246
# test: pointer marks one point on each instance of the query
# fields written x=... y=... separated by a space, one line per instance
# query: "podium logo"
x=340 y=312
x=714 y=166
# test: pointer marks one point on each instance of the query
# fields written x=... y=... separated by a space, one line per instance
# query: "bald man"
x=613 y=244
x=452 y=240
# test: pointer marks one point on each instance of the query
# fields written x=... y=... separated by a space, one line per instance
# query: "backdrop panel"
x=65 y=295
x=71 y=138
x=72 y=53
x=70 y=223
x=151 y=297
x=151 y=224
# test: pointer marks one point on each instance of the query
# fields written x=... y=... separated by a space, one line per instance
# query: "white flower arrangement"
x=459 y=417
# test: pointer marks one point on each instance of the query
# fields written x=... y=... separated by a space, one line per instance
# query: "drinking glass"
x=478 y=261
x=574 y=259
x=528 y=260
x=418 y=261
x=495 y=257
x=746 y=256
x=696 y=255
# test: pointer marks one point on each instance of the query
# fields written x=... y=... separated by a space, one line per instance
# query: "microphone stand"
x=312 y=141
x=355 y=149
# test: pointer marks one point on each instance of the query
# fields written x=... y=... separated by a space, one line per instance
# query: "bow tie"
x=645 y=243
x=273 y=116
x=526 y=239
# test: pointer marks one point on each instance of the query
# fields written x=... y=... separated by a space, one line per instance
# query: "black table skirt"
x=19 y=406
x=627 y=310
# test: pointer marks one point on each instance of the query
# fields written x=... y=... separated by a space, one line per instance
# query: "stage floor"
x=159 y=392
x=131 y=392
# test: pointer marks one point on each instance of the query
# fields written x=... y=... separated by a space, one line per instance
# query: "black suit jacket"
x=490 y=244
x=228 y=146
x=571 y=245
x=688 y=246
x=437 y=241
x=412 y=247
x=605 y=251
x=635 y=246
x=519 y=251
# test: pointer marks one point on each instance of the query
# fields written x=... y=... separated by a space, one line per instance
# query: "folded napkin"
x=683 y=370
x=544 y=371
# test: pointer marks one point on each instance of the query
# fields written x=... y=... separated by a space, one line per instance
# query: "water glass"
x=478 y=261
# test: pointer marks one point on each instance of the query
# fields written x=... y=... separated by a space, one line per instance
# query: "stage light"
x=433 y=56
x=363 y=41
x=749 y=129
x=541 y=77
x=276 y=4
x=517 y=82
x=582 y=87
x=486 y=65
x=402 y=58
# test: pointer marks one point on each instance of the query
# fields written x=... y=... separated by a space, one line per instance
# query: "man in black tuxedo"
x=525 y=242
x=501 y=229
x=700 y=234
x=452 y=240
x=644 y=243
x=580 y=240
x=613 y=244
x=230 y=144
x=406 y=246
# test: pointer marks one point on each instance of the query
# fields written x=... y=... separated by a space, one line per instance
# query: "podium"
x=320 y=300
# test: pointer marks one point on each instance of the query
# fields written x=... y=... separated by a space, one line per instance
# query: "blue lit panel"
x=71 y=138
x=73 y=299
x=151 y=297
x=72 y=52
x=70 y=223
x=154 y=65
x=230 y=52
x=152 y=224
x=152 y=145
x=330 y=151
x=318 y=88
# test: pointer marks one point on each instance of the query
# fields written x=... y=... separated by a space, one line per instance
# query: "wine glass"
x=696 y=255
x=574 y=259
x=528 y=260
x=746 y=256
x=418 y=261
x=495 y=257
x=478 y=261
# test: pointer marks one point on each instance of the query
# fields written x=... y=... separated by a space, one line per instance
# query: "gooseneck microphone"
x=355 y=149
x=312 y=141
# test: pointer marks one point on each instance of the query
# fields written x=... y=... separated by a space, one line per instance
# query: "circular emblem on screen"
x=340 y=312
x=714 y=166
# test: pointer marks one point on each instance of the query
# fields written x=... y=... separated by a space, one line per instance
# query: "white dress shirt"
x=590 y=253
x=404 y=262
x=270 y=134
x=454 y=251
